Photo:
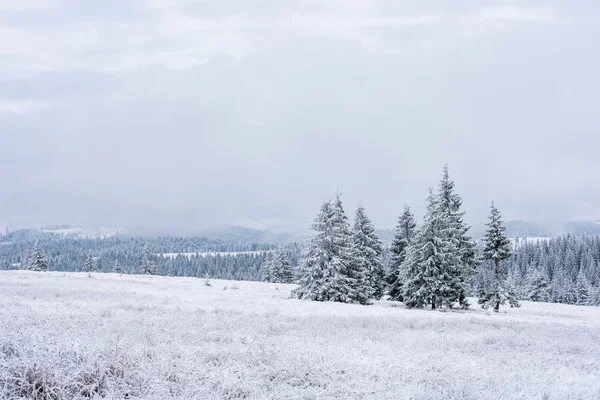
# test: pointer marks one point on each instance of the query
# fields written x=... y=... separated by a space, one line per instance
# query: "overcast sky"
x=180 y=114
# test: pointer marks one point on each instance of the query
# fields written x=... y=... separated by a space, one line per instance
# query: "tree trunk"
x=497 y=286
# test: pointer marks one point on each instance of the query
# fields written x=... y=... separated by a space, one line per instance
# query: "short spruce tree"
x=496 y=249
x=90 y=263
x=404 y=236
x=265 y=268
x=366 y=265
x=148 y=265
x=280 y=270
x=35 y=260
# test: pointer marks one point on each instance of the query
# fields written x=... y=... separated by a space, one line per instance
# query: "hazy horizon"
x=175 y=115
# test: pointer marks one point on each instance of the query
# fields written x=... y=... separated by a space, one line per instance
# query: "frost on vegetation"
x=110 y=338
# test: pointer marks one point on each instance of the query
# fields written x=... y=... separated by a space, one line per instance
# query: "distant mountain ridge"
x=240 y=234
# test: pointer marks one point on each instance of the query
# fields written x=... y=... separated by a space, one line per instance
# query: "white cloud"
x=520 y=14
x=13 y=106
x=27 y=5
x=356 y=27
x=170 y=38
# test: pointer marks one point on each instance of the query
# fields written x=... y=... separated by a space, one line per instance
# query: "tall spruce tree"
x=404 y=236
x=281 y=269
x=496 y=249
x=430 y=263
x=366 y=269
x=449 y=204
x=35 y=260
x=340 y=279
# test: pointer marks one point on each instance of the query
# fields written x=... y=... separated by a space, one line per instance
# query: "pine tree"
x=315 y=259
x=148 y=265
x=35 y=260
x=449 y=204
x=429 y=264
x=582 y=289
x=265 y=269
x=281 y=269
x=325 y=273
x=339 y=279
x=404 y=236
x=366 y=269
x=538 y=286
x=496 y=249
x=90 y=263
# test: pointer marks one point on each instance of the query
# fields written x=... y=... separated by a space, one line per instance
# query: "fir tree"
x=90 y=263
x=538 y=285
x=339 y=279
x=280 y=270
x=315 y=259
x=265 y=269
x=148 y=265
x=35 y=260
x=429 y=264
x=455 y=230
x=582 y=289
x=325 y=273
x=366 y=268
x=496 y=249
x=404 y=236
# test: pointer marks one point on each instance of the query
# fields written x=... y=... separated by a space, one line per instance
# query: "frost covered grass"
x=64 y=335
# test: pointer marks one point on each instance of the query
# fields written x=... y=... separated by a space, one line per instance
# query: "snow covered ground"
x=85 y=232
x=159 y=338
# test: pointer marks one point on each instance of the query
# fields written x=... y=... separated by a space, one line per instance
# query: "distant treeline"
x=564 y=269
x=70 y=254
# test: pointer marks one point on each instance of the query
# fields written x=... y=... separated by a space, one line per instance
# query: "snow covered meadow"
x=64 y=335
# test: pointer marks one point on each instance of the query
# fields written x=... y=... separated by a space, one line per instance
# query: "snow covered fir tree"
x=432 y=262
x=148 y=265
x=494 y=291
x=277 y=269
x=90 y=263
x=265 y=269
x=365 y=256
x=327 y=272
x=342 y=261
x=35 y=261
x=403 y=238
x=455 y=230
x=439 y=263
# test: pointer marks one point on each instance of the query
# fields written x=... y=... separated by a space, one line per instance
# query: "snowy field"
x=71 y=336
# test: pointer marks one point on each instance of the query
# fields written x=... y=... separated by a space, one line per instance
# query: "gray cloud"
x=175 y=114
